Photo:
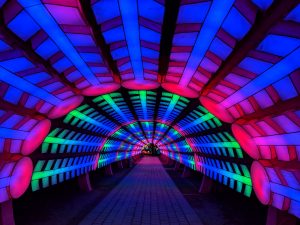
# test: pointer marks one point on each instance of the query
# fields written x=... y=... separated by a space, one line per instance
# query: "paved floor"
x=147 y=195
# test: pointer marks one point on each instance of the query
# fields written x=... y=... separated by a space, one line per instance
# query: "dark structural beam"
x=168 y=30
x=264 y=22
x=27 y=49
x=292 y=103
x=15 y=108
x=157 y=104
x=98 y=37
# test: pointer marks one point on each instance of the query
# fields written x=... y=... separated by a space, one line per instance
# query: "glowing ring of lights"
x=36 y=136
x=261 y=183
x=101 y=89
x=21 y=177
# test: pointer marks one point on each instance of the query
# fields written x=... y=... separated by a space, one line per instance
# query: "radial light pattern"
x=214 y=84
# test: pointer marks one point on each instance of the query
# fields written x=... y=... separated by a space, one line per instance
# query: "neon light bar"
x=148 y=129
x=232 y=175
x=42 y=16
x=90 y=120
x=15 y=174
x=275 y=73
x=62 y=140
x=198 y=120
x=134 y=40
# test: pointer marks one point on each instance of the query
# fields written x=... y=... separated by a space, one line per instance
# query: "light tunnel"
x=214 y=84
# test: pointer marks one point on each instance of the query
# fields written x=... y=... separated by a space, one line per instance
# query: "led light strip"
x=171 y=106
x=42 y=174
x=130 y=18
x=198 y=121
x=88 y=119
x=55 y=140
x=111 y=102
x=143 y=96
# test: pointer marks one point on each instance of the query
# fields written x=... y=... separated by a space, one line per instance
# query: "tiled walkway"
x=147 y=195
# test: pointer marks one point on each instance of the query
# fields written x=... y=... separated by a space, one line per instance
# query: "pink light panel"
x=15 y=176
x=277 y=184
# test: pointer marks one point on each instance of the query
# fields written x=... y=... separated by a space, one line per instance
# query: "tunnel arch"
x=240 y=74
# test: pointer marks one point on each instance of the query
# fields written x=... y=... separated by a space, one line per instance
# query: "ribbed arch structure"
x=116 y=126
x=215 y=84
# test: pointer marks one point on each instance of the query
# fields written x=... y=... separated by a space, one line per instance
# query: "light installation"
x=52 y=30
x=202 y=42
x=133 y=33
x=64 y=114
x=88 y=139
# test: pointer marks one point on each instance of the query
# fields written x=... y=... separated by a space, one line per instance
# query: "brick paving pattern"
x=147 y=195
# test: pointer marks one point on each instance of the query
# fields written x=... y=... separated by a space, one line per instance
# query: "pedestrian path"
x=147 y=195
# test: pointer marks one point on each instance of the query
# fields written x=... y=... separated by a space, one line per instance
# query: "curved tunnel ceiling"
x=115 y=126
x=62 y=64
